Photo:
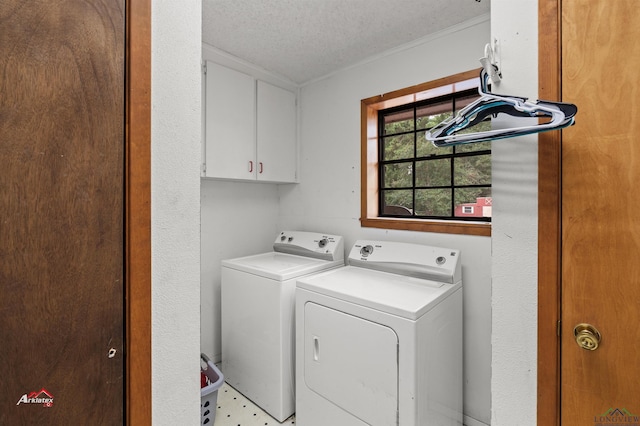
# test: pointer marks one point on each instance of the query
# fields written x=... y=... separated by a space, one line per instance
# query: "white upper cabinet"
x=276 y=134
x=250 y=128
x=230 y=123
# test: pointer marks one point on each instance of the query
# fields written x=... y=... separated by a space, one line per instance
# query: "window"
x=407 y=183
x=420 y=180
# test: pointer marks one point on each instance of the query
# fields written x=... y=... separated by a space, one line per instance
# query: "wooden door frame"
x=138 y=216
x=138 y=213
x=549 y=218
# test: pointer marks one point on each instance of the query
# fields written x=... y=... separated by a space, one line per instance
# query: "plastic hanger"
x=447 y=133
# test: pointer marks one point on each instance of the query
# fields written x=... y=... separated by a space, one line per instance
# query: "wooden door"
x=62 y=212
x=600 y=211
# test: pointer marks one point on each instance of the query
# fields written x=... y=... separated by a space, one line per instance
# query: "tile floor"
x=233 y=409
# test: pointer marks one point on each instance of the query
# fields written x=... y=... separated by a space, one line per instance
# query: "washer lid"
x=280 y=266
x=400 y=295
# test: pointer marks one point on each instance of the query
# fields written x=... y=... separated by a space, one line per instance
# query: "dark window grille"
x=418 y=180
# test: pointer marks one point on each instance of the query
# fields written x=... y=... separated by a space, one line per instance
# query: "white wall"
x=175 y=203
x=515 y=190
x=238 y=219
x=328 y=195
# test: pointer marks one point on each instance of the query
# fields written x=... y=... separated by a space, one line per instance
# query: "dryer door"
x=353 y=363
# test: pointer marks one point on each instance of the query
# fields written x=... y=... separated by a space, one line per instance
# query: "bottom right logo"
x=616 y=417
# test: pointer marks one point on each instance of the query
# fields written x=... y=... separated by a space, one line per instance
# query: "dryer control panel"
x=415 y=260
x=310 y=244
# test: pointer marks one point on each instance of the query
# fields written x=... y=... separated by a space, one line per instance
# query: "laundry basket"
x=211 y=379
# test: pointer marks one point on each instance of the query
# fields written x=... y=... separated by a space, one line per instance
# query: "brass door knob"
x=587 y=336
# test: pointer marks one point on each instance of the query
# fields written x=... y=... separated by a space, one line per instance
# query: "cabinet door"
x=351 y=362
x=230 y=123
x=276 y=134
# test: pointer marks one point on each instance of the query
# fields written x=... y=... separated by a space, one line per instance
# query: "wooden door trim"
x=138 y=213
x=549 y=218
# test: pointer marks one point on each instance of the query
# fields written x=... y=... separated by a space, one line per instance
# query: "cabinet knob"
x=250 y=166
x=260 y=167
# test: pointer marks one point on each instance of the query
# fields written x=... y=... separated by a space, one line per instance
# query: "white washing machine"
x=379 y=342
x=258 y=319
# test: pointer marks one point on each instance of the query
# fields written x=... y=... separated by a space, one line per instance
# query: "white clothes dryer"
x=258 y=319
x=379 y=342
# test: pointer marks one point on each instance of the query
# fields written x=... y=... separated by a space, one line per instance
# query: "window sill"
x=465 y=228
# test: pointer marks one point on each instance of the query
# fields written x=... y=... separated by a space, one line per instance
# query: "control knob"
x=366 y=250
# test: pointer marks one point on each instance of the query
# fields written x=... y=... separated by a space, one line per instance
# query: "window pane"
x=398 y=122
x=397 y=175
x=480 y=127
x=425 y=148
x=473 y=202
x=433 y=172
x=472 y=147
x=399 y=202
x=473 y=170
x=430 y=115
x=397 y=147
x=433 y=202
x=421 y=180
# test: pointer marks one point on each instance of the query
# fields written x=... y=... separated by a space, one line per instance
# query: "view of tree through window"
x=419 y=180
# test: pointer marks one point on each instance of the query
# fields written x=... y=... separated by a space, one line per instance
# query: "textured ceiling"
x=306 y=39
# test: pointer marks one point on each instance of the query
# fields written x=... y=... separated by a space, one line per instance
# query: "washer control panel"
x=417 y=260
x=311 y=244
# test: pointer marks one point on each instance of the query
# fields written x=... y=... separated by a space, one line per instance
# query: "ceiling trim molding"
x=211 y=53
